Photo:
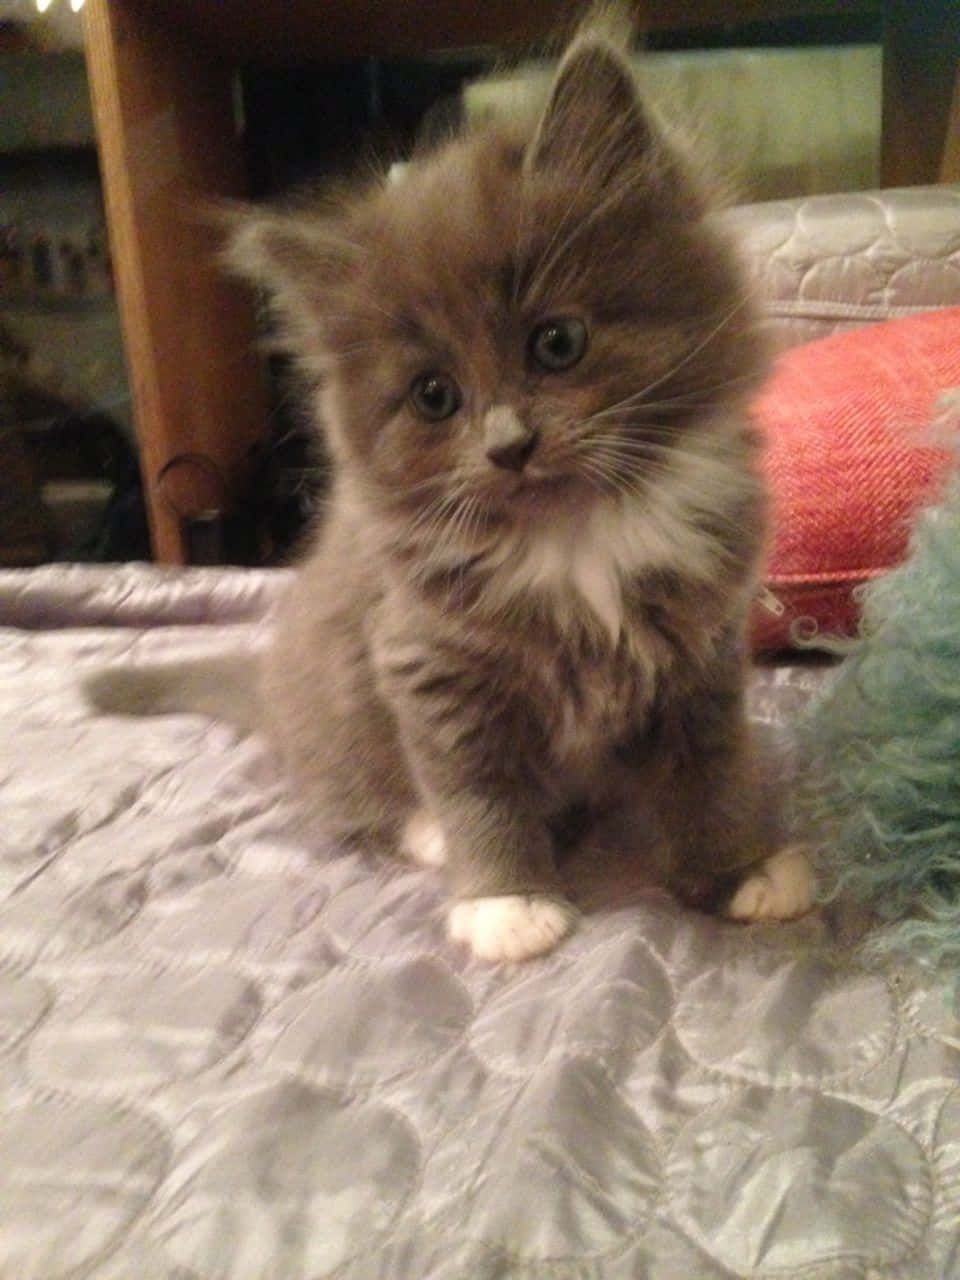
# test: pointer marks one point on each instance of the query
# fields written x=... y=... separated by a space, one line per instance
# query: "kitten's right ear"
x=294 y=257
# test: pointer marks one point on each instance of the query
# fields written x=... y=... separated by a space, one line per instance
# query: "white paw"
x=514 y=927
x=423 y=841
x=783 y=890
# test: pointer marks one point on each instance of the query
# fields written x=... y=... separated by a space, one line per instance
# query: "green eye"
x=558 y=344
x=435 y=396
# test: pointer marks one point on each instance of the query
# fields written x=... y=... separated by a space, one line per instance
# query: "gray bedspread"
x=224 y=1053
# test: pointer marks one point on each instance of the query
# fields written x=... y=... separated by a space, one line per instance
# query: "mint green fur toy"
x=880 y=746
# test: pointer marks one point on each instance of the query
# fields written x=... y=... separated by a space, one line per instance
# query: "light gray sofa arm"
x=824 y=263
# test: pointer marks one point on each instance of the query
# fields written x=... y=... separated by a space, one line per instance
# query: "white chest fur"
x=587 y=562
x=575 y=565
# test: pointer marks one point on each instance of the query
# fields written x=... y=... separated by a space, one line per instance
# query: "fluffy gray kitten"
x=521 y=627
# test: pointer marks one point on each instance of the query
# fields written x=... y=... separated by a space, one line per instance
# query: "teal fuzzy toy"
x=880 y=746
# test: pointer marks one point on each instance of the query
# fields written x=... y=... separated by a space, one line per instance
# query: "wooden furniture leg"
x=921 y=50
x=950 y=160
x=168 y=145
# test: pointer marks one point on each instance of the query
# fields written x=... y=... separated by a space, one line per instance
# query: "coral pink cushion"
x=842 y=418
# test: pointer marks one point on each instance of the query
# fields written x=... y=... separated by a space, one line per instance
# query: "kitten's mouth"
x=534 y=485
x=534 y=494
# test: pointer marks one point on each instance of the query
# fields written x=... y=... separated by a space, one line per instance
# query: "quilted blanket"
x=226 y=1053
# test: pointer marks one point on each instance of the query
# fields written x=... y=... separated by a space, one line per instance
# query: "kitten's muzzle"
x=510 y=442
x=513 y=457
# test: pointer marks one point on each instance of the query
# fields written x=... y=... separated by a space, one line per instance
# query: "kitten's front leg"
x=703 y=793
x=461 y=746
x=505 y=927
x=781 y=888
x=500 y=860
x=511 y=927
x=724 y=815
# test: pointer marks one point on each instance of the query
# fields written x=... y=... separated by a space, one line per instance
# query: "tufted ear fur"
x=594 y=123
x=298 y=258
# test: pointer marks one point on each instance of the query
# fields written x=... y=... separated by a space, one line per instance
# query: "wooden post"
x=950 y=160
x=921 y=49
x=164 y=114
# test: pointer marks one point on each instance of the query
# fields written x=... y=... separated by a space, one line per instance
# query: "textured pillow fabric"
x=847 y=462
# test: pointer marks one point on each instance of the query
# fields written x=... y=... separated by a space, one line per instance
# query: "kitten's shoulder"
x=341 y=568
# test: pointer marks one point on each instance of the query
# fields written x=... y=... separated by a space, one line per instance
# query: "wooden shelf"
x=284 y=31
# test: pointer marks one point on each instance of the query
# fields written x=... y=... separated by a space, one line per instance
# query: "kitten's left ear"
x=594 y=121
